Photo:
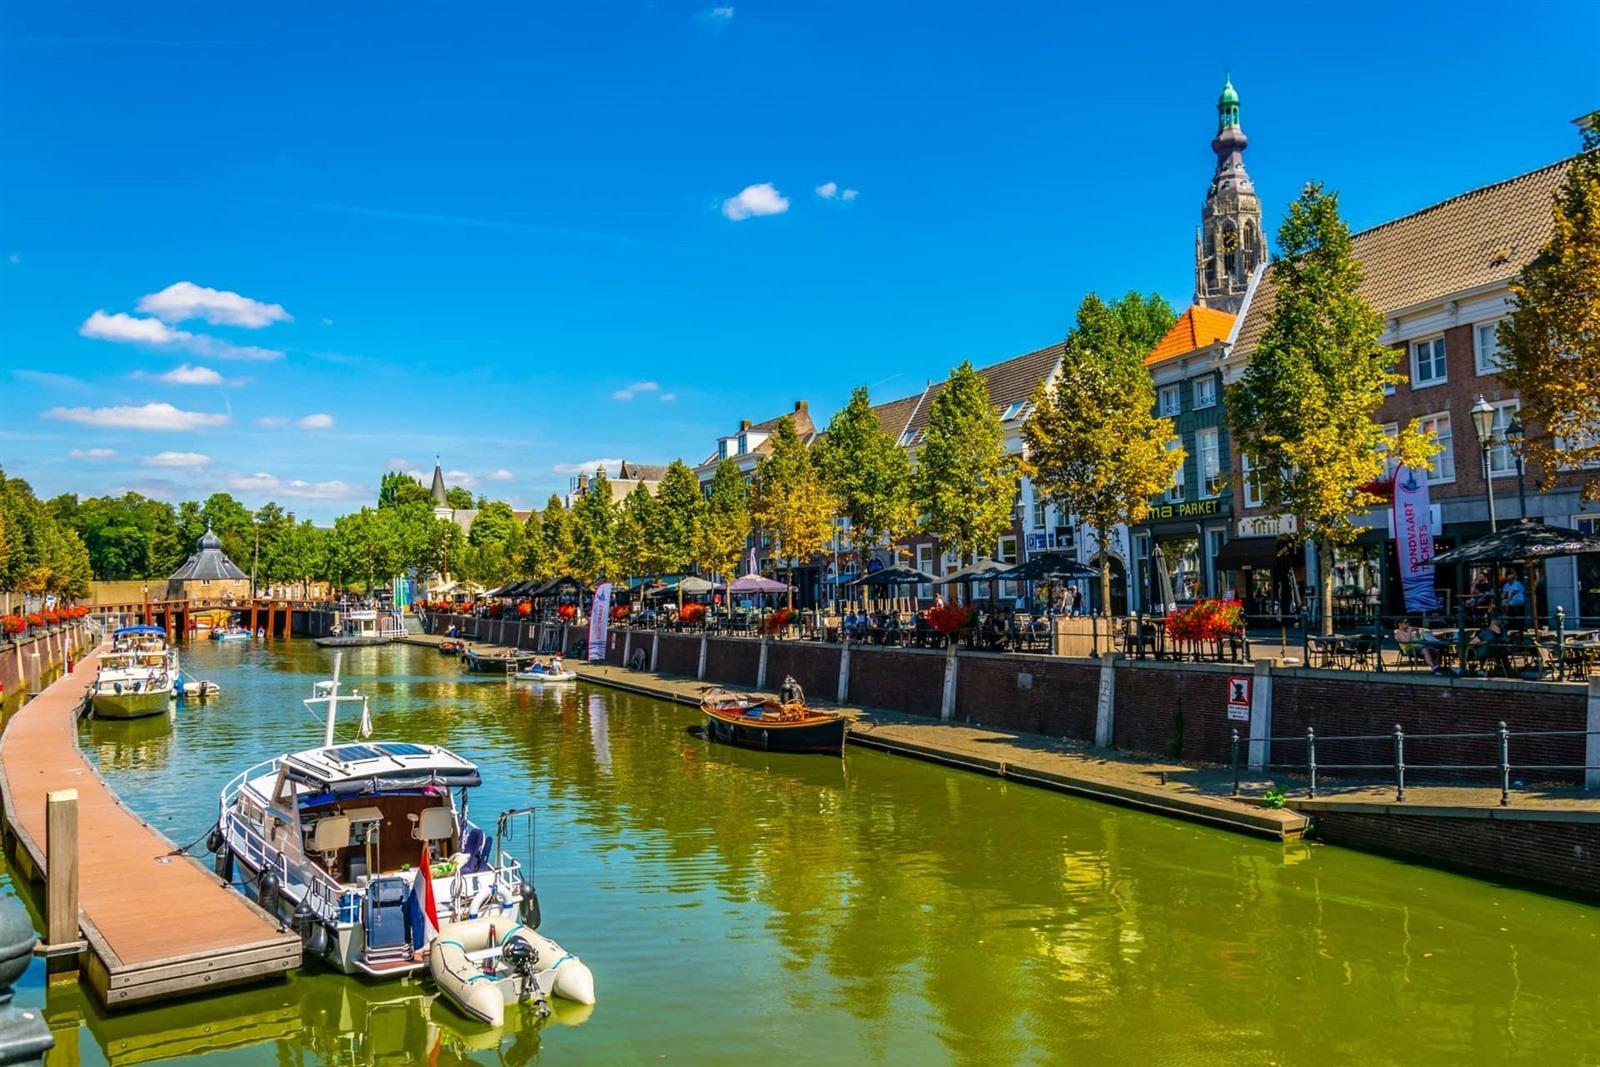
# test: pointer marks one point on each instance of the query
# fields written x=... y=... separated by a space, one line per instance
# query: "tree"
x=1093 y=444
x=42 y=555
x=681 y=505
x=366 y=546
x=556 y=530
x=791 y=502
x=1550 y=345
x=1145 y=320
x=724 y=527
x=966 y=480
x=869 y=474
x=594 y=520
x=232 y=523
x=271 y=523
x=1305 y=411
x=531 y=560
x=398 y=487
x=638 y=534
x=299 y=554
x=458 y=499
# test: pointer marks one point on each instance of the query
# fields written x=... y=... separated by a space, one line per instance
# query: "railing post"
x=1233 y=757
x=1505 y=766
x=1311 y=758
x=1399 y=764
x=1561 y=644
x=1461 y=638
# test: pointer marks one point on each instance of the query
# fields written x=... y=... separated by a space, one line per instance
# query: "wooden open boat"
x=772 y=724
x=452 y=647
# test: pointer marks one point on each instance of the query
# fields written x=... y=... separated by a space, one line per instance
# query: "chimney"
x=800 y=405
x=744 y=424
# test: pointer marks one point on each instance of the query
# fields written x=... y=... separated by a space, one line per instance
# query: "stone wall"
x=21 y=674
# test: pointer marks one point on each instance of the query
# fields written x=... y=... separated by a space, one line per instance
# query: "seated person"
x=555 y=664
x=1410 y=640
x=1489 y=643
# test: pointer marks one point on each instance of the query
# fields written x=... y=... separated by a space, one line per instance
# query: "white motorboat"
x=364 y=627
x=366 y=847
x=481 y=968
x=137 y=676
x=543 y=672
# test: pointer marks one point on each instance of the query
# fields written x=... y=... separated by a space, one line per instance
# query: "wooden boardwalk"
x=157 y=925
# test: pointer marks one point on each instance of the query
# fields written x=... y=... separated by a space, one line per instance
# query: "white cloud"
x=400 y=465
x=588 y=466
x=762 y=199
x=849 y=194
x=93 y=453
x=187 y=375
x=271 y=422
x=122 y=328
x=831 y=190
x=319 y=421
x=327 y=322
x=186 y=300
x=462 y=478
x=502 y=475
x=667 y=398
x=715 y=16
x=262 y=482
x=177 y=459
x=48 y=379
x=15 y=258
x=633 y=390
x=143 y=417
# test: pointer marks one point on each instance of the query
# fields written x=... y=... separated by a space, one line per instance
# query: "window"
x=1171 y=401
x=1209 y=458
x=1205 y=392
x=1007 y=550
x=1486 y=341
x=1012 y=411
x=1254 y=497
x=1444 y=464
x=744 y=444
x=1502 y=457
x=925 y=565
x=1427 y=362
x=1038 y=509
x=1176 y=492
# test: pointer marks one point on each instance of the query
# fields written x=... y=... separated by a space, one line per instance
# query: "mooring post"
x=844 y=672
x=761 y=668
x=1259 y=754
x=655 y=650
x=61 y=868
x=947 y=703
x=1105 y=711
x=700 y=671
x=35 y=670
x=627 y=645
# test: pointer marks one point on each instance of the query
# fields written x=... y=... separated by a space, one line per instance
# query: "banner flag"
x=1414 y=539
x=599 y=621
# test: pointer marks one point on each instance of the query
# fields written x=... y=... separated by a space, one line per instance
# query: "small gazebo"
x=208 y=574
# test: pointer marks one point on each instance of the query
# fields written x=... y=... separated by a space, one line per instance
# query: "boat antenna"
x=328 y=693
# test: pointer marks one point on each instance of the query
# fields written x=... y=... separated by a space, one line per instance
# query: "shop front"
x=1261 y=566
x=1188 y=535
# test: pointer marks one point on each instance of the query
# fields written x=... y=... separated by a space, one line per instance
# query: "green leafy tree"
x=869 y=474
x=458 y=498
x=1305 y=411
x=1093 y=443
x=298 y=555
x=724 y=528
x=42 y=555
x=681 y=506
x=398 y=487
x=594 y=522
x=367 y=547
x=791 y=502
x=233 y=524
x=531 y=561
x=638 y=537
x=191 y=524
x=271 y=523
x=1551 y=343
x=966 y=480
x=1145 y=320
x=556 y=528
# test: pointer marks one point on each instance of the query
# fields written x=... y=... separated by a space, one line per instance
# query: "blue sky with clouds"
x=275 y=248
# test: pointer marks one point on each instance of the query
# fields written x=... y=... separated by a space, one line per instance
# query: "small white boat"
x=137 y=677
x=481 y=967
x=231 y=632
x=545 y=676
x=195 y=688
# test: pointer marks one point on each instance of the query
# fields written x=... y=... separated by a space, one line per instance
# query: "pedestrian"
x=1077 y=601
x=1512 y=594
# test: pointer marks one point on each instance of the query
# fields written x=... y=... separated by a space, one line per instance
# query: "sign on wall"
x=1188 y=509
x=1268 y=525
x=1239 y=697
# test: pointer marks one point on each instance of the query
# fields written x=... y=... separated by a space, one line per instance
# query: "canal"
x=738 y=907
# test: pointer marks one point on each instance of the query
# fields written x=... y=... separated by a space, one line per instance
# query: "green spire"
x=1228 y=104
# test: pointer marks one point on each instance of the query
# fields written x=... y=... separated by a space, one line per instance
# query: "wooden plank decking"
x=157 y=925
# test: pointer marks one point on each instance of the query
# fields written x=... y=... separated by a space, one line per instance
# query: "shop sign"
x=1046 y=542
x=1268 y=525
x=1188 y=509
x=1239 y=697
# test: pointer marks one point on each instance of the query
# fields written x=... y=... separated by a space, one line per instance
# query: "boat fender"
x=480 y=901
x=267 y=890
x=214 y=839
x=530 y=909
x=116 y=687
x=224 y=865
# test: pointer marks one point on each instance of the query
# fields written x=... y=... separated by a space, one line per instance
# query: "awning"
x=1251 y=553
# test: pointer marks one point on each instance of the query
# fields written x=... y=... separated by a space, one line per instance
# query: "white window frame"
x=1211 y=482
x=1253 y=497
x=1443 y=353
x=1174 y=394
x=1039 y=504
x=1502 y=457
x=1447 y=455
x=925 y=565
x=1209 y=400
x=1487 y=360
x=1178 y=490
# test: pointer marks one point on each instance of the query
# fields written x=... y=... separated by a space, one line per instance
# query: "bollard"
x=1311 y=759
x=1505 y=766
x=1233 y=757
x=24 y=1035
x=1399 y=764
x=1561 y=644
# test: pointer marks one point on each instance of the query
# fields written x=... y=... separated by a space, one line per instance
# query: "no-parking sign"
x=1239 y=697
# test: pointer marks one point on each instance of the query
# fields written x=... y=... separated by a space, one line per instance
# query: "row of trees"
x=38 y=553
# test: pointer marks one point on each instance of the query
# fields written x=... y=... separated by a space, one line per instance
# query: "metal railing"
x=1503 y=767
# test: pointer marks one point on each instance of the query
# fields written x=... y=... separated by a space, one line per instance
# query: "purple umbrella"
x=754 y=583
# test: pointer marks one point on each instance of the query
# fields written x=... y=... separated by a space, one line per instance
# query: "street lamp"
x=1483 y=421
x=1514 y=437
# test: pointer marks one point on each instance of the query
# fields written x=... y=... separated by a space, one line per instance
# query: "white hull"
x=462 y=956
x=546 y=676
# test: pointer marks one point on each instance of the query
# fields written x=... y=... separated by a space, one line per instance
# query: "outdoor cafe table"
x=1345 y=651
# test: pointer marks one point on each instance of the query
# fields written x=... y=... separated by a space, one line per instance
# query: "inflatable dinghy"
x=191 y=687
x=480 y=969
x=546 y=676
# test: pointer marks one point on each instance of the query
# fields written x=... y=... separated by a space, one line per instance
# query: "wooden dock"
x=155 y=925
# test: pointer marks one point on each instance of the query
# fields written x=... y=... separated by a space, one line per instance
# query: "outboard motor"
x=791 y=693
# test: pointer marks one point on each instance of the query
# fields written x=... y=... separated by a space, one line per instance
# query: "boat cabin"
x=362 y=809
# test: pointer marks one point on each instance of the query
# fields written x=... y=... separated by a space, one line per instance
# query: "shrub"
x=777 y=620
x=12 y=624
x=693 y=613
x=1206 y=620
x=951 y=619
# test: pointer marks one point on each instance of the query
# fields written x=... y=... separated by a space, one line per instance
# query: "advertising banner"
x=1413 y=535
x=599 y=622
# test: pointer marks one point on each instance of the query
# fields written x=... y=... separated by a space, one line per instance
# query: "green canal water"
x=738 y=907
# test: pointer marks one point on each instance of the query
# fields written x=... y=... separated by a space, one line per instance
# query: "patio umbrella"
x=755 y=583
x=1524 y=542
x=1163 y=582
x=899 y=574
x=983 y=570
x=1047 y=566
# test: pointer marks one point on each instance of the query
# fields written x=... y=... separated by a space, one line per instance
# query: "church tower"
x=1229 y=243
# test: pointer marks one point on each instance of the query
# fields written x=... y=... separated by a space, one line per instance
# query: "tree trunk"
x=1105 y=572
x=1325 y=586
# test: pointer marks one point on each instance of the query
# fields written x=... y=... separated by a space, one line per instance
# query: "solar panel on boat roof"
x=402 y=748
x=351 y=753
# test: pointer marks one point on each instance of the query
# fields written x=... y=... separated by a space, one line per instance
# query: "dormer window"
x=744 y=444
x=1012 y=411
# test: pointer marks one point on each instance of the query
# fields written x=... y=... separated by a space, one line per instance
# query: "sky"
x=279 y=248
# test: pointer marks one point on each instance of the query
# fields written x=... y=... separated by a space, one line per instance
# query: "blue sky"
x=472 y=230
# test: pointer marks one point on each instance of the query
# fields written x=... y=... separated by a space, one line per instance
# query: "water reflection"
x=736 y=904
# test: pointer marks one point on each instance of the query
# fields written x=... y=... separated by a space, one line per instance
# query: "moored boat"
x=545 y=671
x=481 y=968
x=495 y=662
x=773 y=724
x=364 y=627
x=136 y=677
x=366 y=847
x=451 y=647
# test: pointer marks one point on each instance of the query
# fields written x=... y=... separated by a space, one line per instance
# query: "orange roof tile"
x=1197 y=328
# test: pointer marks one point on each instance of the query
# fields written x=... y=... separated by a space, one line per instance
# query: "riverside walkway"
x=157 y=924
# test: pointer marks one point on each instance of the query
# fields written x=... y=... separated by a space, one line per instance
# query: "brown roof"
x=1197 y=328
x=1485 y=236
x=642 y=472
x=804 y=428
x=1010 y=381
